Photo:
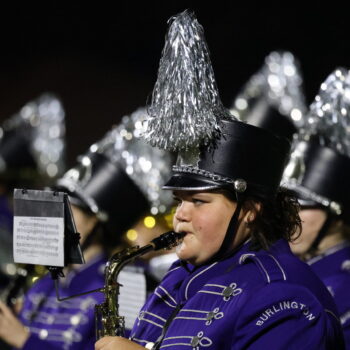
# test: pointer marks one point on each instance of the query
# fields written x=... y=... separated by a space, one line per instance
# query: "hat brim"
x=190 y=182
x=308 y=203
x=303 y=201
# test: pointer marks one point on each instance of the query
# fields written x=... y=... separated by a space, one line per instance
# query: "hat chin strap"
x=321 y=234
x=226 y=247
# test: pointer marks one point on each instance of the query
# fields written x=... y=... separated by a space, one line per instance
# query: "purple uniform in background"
x=252 y=300
x=333 y=267
x=68 y=324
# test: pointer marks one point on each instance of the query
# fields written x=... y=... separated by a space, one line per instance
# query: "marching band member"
x=32 y=155
x=236 y=284
x=113 y=186
x=319 y=172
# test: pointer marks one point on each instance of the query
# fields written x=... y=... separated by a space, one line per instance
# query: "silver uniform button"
x=345 y=265
x=227 y=292
x=195 y=341
x=50 y=319
x=210 y=315
x=67 y=335
x=43 y=334
x=74 y=320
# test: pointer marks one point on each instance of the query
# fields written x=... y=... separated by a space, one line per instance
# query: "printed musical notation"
x=38 y=240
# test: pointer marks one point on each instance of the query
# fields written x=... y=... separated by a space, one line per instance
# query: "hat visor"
x=190 y=182
x=308 y=203
x=72 y=191
x=303 y=201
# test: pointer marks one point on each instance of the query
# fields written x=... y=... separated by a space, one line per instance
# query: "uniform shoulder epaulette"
x=267 y=264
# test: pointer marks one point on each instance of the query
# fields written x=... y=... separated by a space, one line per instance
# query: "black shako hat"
x=321 y=177
x=120 y=178
x=273 y=97
x=268 y=117
x=102 y=187
x=187 y=116
x=319 y=167
x=245 y=159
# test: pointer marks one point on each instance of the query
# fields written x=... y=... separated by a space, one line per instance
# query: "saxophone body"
x=107 y=319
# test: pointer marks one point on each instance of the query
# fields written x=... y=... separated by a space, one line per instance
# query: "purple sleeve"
x=283 y=316
x=338 y=285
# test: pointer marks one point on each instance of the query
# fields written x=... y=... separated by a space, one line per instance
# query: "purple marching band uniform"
x=318 y=172
x=101 y=185
x=333 y=268
x=70 y=324
x=256 y=300
x=23 y=165
x=239 y=298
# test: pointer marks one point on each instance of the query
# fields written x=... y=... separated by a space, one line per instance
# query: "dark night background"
x=102 y=61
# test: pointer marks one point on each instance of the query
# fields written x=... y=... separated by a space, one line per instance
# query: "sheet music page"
x=38 y=240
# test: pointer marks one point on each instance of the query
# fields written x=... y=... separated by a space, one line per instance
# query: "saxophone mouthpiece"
x=167 y=240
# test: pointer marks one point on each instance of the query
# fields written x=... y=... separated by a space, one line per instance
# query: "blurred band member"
x=319 y=173
x=113 y=185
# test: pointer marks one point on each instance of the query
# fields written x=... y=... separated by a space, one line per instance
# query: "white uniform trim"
x=140 y=340
x=331 y=313
x=168 y=294
x=154 y=315
x=279 y=265
x=162 y=297
x=150 y=321
x=245 y=256
x=195 y=276
x=174 y=269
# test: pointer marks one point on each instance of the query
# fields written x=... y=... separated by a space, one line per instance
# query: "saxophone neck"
x=167 y=240
x=117 y=262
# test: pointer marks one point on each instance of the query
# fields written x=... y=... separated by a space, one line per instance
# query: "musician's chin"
x=184 y=249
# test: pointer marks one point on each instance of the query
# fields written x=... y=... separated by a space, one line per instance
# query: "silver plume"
x=329 y=115
x=279 y=83
x=186 y=108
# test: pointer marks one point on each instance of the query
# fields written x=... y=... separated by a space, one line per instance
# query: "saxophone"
x=107 y=319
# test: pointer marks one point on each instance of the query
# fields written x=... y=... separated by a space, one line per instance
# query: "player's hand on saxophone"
x=11 y=329
x=116 y=343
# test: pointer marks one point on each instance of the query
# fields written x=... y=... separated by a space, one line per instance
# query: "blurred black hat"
x=319 y=169
x=120 y=177
x=273 y=98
